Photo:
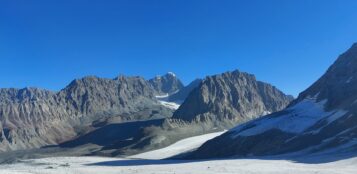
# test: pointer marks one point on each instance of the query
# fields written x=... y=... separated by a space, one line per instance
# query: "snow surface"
x=298 y=118
x=162 y=96
x=185 y=145
x=171 y=105
x=163 y=101
x=95 y=165
x=349 y=80
x=103 y=165
x=172 y=74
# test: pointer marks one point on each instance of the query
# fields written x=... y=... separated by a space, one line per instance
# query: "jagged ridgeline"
x=322 y=120
x=31 y=117
x=219 y=102
x=235 y=96
x=121 y=116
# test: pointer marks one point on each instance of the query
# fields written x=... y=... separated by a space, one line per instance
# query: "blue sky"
x=288 y=43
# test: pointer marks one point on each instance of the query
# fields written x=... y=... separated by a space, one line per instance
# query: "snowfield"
x=150 y=165
x=301 y=116
x=163 y=101
x=183 y=146
x=94 y=165
x=171 y=105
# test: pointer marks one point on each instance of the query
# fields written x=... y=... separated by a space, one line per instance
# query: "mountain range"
x=126 y=115
x=130 y=115
x=32 y=118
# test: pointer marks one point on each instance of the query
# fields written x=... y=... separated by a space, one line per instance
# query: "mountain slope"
x=31 y=118
x=166 y=84
x=182 y=94
x=235 y=96
x=322 y=119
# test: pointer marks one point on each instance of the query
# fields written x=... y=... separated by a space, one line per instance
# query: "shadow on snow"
x=313 y=159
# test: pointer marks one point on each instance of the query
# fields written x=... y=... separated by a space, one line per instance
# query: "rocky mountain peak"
x=232 y=95
x=170 y=74
x=166 y=84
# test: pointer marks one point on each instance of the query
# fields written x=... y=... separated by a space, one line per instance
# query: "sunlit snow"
x=95 y=165
x=185 y=145
x=297 y=119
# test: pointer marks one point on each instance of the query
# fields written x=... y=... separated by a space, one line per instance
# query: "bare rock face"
x=322 y=120
x=31 y=118
x=166 y=84
x=235 y=96
x=182 y=94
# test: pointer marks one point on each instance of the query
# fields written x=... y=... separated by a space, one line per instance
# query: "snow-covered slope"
x=163 y=99
x=95 y=165
x=322 y=118
x=182 y=146
x=300 y=117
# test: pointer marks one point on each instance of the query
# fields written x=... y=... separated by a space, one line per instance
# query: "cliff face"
x=31 y=118
x=181 y=95
x=234 y=96
x=166 y=84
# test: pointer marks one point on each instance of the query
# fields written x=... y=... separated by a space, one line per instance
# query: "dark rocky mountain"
x=322 y=120
x=32 y=118
x=166 y=84
x=182 y=94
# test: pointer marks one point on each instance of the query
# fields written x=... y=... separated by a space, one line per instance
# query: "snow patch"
x=162 y=96
x=172 y=74
x=349 y=80
x=298 y=118
x=163 y=101
x=158 y=77
x=182 y=146
x=171 y=105
x=336 y=115
x=266 y=113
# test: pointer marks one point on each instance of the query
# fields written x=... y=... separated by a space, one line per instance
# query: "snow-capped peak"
x=171 y=74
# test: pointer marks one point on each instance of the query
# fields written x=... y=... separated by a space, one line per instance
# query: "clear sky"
x=288 y=43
